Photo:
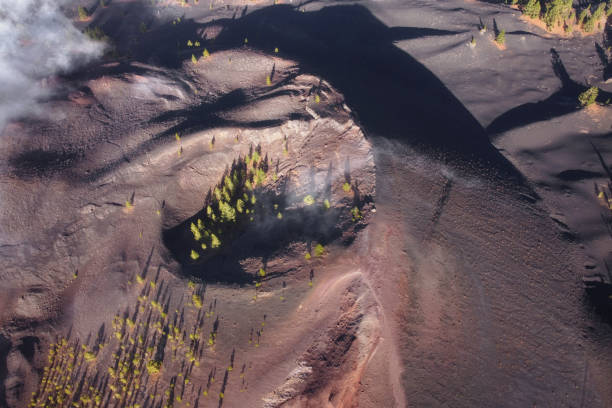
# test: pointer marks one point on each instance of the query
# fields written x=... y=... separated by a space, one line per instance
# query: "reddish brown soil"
x=457 y=283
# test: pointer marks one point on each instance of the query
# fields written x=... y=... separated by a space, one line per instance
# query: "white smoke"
x=36 y=42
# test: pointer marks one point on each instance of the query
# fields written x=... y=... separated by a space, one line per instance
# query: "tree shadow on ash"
x=599 y=291
x=209 y=115
x=604 y=56
x=199 y=118
x=598 y=285
x=393 y=95
x=560 y=103
x=41 y=163
x=5 y=347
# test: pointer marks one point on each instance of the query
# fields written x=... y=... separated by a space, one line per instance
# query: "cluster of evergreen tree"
x=231 y=202
x=561 y=13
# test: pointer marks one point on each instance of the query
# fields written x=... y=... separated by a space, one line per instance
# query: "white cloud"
x=36 y=41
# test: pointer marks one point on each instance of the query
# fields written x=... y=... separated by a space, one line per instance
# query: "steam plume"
x=36 y=41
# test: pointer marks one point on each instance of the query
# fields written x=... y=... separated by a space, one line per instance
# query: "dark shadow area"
x=201 y=117
x=599 y=292
x=28 y=347
x=209 y=115
x=522 y=32
x=393 y=95
x=5 y=347
x=560 y=103
x=602 y=162
x=41 y=163
x=598 y=286
x=577 y=175
x=605 y=61
x=495 y=29
x=409 y=33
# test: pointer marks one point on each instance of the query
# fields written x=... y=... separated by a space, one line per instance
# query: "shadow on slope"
x=604 y=56
x=393 y=95
x=560 y=103
x=5 y=346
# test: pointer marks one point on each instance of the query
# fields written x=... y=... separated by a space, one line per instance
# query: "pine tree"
x=83 y=14
x=214 y=241
x=589 y=25
x=557 y=11
x=582 y=16
x=532 y=9
x=501 y=37
x=194 y=59
x=599 y=12
x=589 y=96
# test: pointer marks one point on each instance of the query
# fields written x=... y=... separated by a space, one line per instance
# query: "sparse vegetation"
x=154 y=367
x=589 y=96
x=356 y=213
x=501 y=37
x=89 y=356
x=194 y=255
x=83 y=13
x=309 y=200
x=582 y=16
x=96 y=34
x=138 y=347
x=197 y=300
